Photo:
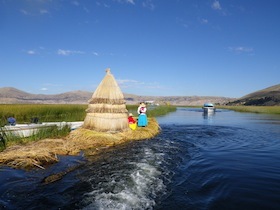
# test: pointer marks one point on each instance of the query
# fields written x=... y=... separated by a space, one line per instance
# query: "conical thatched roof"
x=107 y=110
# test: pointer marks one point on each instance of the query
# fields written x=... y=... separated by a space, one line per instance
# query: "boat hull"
x=26 y=130
x=209 y=109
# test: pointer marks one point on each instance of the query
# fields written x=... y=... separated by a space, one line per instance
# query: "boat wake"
x=133 y=188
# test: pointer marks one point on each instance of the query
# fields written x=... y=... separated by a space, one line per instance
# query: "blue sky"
x=154 y=47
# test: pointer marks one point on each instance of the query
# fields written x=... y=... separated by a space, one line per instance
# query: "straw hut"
x=107 y=109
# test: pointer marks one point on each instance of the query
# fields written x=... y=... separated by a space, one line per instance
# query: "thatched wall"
x=107 y=110
x=106 y=121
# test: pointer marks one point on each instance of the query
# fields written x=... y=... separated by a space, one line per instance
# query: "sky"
x=226 y=48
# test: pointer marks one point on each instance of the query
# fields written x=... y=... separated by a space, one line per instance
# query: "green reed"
x=254 y=109
x=152 y=111
x=23 y=113
x=45 y=112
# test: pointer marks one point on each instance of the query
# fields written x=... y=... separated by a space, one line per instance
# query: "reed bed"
x=45 y=152
x=63 y=112
x=152 y=111
x=254 y=109
x=45 y=112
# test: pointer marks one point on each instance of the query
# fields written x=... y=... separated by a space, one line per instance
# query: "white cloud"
x=34 y=12
x=44 y=11
x=127 y=81
x=68 y=52
x=148 y=4
x=24 y=12
x=31 y=52
x=52 y=85
x=102 y=4
x=204 y=21
x=134 y=84
x=130 y=1
x=241 y=49
x=126 y=1
x=37 y=51
x=216 y=5
x=76 y=3
x=95 y=53
x=86 y=9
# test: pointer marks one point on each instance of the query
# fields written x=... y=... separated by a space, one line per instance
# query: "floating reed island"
x=105 y=125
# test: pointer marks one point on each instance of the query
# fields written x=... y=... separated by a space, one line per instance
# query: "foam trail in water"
x=133 y=190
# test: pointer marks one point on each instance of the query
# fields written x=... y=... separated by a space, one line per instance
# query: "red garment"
x=131 y=120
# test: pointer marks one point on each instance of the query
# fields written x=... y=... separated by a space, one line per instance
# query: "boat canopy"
x=208 y=105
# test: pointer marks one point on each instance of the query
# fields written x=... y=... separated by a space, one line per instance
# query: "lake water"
x=228 y=160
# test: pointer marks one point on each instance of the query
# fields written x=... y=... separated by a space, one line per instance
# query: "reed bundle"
x=107 y=110
x=106 y=122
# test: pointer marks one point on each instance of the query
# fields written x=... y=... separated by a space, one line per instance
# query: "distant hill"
x=267 y=97
x=10 y=95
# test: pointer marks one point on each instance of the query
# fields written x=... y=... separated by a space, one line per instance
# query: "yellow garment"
x=132 y=126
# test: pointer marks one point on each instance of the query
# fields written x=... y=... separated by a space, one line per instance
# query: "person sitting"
x=131 y=121
x=12 y=121
x=35 y=120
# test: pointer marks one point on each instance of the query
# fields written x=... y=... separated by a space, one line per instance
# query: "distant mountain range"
x=10 y=95
x=267 y=97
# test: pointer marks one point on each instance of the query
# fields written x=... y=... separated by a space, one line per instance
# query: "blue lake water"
x=228 y=160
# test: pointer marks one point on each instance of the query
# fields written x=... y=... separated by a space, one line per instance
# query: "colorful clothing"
x=142 y=118
x=131 y=120
x=131 y=123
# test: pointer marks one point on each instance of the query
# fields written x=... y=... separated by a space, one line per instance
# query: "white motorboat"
x=208 y=108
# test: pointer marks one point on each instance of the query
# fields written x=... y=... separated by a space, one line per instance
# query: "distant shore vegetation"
x=254 y=109
x=24 y=113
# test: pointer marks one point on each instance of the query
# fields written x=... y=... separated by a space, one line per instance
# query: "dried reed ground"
x=44 y=152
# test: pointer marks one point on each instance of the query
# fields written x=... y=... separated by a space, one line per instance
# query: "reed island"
x=105 y=125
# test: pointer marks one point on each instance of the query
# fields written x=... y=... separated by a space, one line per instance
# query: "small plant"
x=2 y=141
x=8 y=137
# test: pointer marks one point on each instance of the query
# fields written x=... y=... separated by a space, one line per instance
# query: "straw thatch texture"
x=107 y=110
x=90 y=138
x=106 y=122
